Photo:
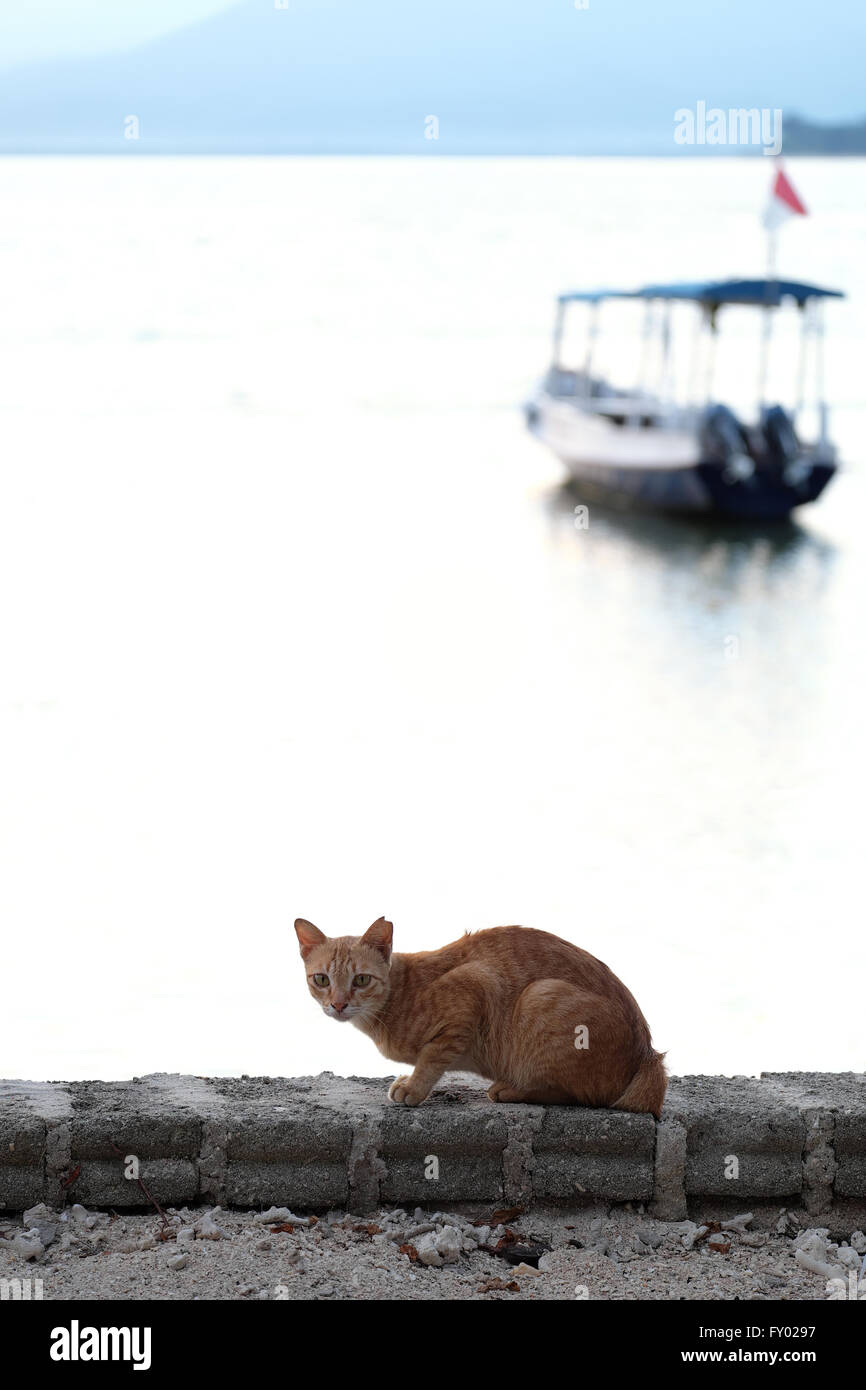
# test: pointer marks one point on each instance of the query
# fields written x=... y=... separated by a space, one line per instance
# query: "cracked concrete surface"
x=319 y=1142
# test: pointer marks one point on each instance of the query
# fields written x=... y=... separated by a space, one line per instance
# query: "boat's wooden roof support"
x=806 y=324
x=764 y=363
x=823 y=433
x=558 y=328
x=710 y=360
x=695 y=359
x=646 y=337
x=664 y=379
x=592 y=334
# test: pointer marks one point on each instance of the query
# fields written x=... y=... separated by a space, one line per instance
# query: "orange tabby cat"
x=547 y=1022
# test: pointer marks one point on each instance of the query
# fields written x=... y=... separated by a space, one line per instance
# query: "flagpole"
x=766 y=336
x=772 y=247
x=784 y=202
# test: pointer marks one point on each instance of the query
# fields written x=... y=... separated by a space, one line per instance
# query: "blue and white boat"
x=642 y=445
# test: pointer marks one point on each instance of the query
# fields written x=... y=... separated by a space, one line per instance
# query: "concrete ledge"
x=326 y=1141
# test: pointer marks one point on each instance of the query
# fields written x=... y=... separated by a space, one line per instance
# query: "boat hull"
x=701 y=490
x=665 y=470
x=762 y=498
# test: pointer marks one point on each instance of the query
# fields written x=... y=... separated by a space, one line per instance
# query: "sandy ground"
x=596 y=1252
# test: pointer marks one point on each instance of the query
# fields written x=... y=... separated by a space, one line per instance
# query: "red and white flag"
x=784 y=202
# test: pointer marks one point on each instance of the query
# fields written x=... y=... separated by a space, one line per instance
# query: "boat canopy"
x=712 y=293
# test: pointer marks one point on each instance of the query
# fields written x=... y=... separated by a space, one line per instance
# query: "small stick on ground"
x=68 y=1181
x=166 y=1223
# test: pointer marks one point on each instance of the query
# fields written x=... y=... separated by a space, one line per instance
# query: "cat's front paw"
x=401 y=1093
x=501 y=1090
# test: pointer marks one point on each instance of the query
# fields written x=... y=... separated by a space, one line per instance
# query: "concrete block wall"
x=325 y=1141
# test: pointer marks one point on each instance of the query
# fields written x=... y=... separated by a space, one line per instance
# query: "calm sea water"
x=295 y=619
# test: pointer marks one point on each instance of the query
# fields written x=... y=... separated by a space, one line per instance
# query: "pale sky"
x=38 y=29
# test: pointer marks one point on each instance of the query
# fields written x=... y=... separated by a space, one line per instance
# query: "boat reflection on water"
x=728 y=550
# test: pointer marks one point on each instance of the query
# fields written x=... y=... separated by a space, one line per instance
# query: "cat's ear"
x=379 y=938
x=308 y=936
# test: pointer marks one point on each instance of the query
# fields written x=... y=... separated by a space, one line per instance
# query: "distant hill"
x=808 y=137
x=499 y=77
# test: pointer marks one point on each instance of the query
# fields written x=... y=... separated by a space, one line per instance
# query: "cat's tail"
x=645 y=1092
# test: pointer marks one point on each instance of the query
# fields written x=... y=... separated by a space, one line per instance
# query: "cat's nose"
x=338 y=1007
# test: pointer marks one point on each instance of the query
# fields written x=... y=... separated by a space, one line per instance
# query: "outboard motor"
x=724 y=441
x=783 y=447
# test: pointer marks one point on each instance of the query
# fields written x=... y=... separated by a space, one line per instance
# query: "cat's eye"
x=362 y=980
x=321 y=981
